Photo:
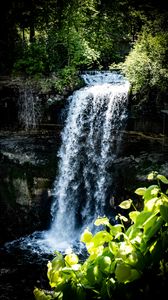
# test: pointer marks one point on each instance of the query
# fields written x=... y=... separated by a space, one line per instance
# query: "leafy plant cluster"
x=147 y=64
x=64 y=81
x=119 y=254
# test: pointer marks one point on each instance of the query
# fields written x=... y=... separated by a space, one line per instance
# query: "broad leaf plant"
x=118 y=254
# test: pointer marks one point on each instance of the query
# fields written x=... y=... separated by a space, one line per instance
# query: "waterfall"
x=90 y=143
x=29 y=109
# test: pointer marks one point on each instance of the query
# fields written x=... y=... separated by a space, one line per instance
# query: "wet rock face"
x=28 y=167
x=23 y=106
x=28 y=159
x=141 y=154
x=8 y=107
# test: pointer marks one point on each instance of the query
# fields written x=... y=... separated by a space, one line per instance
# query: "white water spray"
x=90 y=143
x=29 y=107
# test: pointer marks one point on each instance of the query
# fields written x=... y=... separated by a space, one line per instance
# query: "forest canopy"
x=42 y=38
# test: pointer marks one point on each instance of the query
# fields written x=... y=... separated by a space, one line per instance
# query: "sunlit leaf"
x=71 y=259
x=102 y=221
x=76 y=267
x=133 y=215
x=151 y=176
x=162 y=178
x=164 y=198
x=124 y=273
x=153 y=230
x=101 y=237
x=124 y=249
x=142 y=217
x=140 y=191
x=152 y=247
x=149 y=222
x=116 y=229
x=86 y=236
x=53 y=271
x=150 y=205
x=105 y=264
x=126 y=204
x=155 y=191
x=57 y=262
x=113 y=247
x=40 y=295
x=132 y=231
x=132 y=258
x=122 y=218
x=95 y=251
x=151 y=191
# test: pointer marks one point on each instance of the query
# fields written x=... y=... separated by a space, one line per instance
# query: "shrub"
x=146 y=64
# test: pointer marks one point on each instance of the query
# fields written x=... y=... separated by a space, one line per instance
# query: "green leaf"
x=124 y=273
x=162 y=178
x=151 y=191
x=40 y=295
x=94 y=274
x=86 y=236
x=113 y=247
x=133 y=215
x=116 y=229
x=164 y=212
x=151 y=176
x=149 y=222
x=101 y=237
x=102 y=221
x=153 y=230
x=133 y=231
x=150 y=205
x=105 y=264
x=140 y=191
x=57 y=262
x=142 y=217
x=126 y=204
x=71 y=259
x=54 y=267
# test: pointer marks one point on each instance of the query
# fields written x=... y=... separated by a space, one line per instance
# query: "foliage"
x=119 y=254
x=81 y=35
x=33 y=58
x=147 y=64
x=76 y=33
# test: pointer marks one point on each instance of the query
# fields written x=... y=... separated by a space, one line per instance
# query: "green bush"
x=119 y=254
x=147 y=64
x=33 y=60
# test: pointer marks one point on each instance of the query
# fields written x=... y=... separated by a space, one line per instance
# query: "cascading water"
x=90 y=143
x=29 y=109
